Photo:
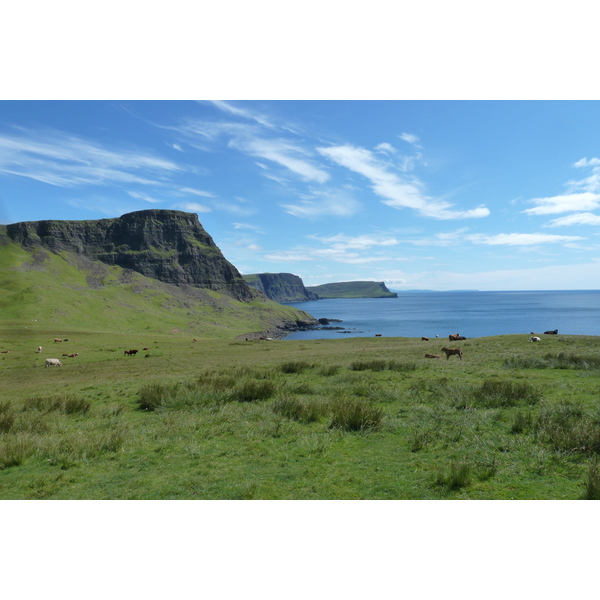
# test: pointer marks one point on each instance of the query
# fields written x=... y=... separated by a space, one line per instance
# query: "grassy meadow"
x=354 y=418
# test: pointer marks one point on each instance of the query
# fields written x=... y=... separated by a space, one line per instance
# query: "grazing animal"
x=5 y=352
x=460 y=338
x=432 y=356
x=73 y=355
x=130 y=352
x=551 y=332
x=453 y=337
x=450 y=351
x=424 y=339
x=65 y=354
x=378 y=335
x=146 y=348
x=39 y=348
x=194 y=340
x=56 y=340
x=534 y=338
x=53 y=362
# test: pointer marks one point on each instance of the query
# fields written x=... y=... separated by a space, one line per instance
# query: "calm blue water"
x=472 y=314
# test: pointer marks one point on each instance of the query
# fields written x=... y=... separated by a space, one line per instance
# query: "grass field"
x=356 y=418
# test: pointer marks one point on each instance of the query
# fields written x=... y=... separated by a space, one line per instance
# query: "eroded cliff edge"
x=281 y=287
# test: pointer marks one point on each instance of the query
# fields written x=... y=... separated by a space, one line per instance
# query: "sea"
x=470 y=313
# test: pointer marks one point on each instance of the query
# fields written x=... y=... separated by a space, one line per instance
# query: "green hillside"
x=352 y=289
x=47 y=290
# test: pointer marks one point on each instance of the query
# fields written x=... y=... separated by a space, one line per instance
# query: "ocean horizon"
x=471 y=313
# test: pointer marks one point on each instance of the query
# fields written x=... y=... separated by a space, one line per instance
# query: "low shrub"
x=355 y=415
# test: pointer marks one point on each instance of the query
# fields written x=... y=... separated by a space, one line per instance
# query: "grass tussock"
x=566 y=427
x=295 y=366
x=302 y=411
x=457 y=476
x=592 y=484
x=65 y=404
x=382 y=365
x=492 y=393
x=562 y=360
x=355 y=415
x=209 y=389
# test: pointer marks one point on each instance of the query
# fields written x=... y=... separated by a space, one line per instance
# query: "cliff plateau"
x=168 y=245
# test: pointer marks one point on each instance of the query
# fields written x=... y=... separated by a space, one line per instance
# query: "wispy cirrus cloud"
x=520 y=239
x=583 y=195
x=63 y=160
x=584 y=201
x=396 y=191
x=254 y=140
x=202 y=193
x=324 y=203
x=192 y=207
x=585 y=218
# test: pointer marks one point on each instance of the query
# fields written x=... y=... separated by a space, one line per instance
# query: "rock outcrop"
x=168 y=245
x=281 y=287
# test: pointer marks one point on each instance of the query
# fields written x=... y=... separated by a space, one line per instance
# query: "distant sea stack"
x=168 y=245
x=352 y=289
x=281 y=287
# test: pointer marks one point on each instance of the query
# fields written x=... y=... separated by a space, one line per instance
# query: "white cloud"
x=242 y=112
x=324 y=203
x=284 y=153
x=254 y=228
x=198 y=192
x=144 y=197
x=192 y=207
x=520 y=239
x=397 y=192
x=58 y=159
x=584 y=201
x=586 y=218
x=288 y=256
x=410 y=138
x=584 y=162
x=361 y=242
x=385 y=148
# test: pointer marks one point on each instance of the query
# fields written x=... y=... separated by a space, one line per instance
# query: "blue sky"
x=489 y=195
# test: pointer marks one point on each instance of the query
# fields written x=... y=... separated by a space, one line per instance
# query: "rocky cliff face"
x=281 y=287
x=168 y=245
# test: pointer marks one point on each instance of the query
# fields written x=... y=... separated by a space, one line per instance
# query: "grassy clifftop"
x=352 y=289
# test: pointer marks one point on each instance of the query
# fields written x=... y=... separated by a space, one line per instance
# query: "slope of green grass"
x=348 y=419
x=64 y=290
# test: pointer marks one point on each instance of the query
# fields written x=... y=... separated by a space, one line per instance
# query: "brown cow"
x=57 y=340
x=130 y=352
x=424 y=339
x=453 y=337
x=432 y=356
x=450 y=351
x=73 y=355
